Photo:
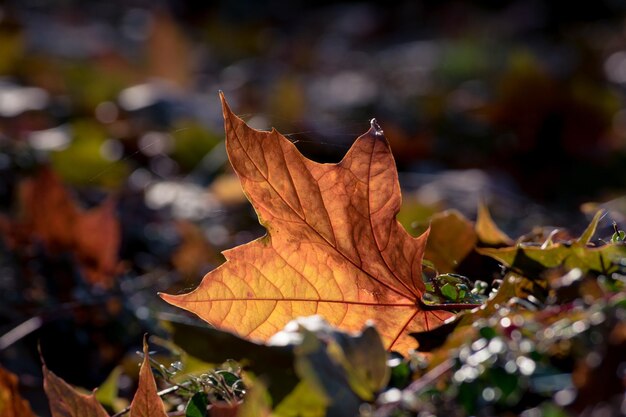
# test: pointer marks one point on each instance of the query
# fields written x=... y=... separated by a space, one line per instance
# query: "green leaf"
x=364 y=359
x=106 y=394
x=312 y=368
x=400 y=375
x=449 y=291
x=618 y=236
x=229 y=378
x=305 y=400
x=341 y=369
x=532 y=259
x=197 y=405
x=327 y=383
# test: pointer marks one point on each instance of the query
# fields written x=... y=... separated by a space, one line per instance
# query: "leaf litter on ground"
x=545 y=327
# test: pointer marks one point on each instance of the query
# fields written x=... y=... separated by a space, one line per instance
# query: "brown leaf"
x=334 y=246
x=49 y=214
x=65 y=401
x=47 y=211
x=11 y=402
x=146 y=402
x=451 y=239
x=97 y=237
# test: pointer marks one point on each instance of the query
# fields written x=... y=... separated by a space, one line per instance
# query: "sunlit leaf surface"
x=333 y=246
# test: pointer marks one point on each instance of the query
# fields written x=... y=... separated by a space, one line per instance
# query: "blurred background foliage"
x=521 y=103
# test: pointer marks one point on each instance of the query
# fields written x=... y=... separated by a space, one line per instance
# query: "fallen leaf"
x=107 y=393
x=11 y=402
x=98 y=257
x=257 y=403
x=49 y=214
x=146 y=402
x=65 y=401
x=333 y=248
x=197 y=405
x=487 y=230
x=451 y=239
x=338 y=371
x=47 y=211
x=212 y=345
x=532 y=259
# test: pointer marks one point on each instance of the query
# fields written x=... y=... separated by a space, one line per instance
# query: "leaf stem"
x=446 y=306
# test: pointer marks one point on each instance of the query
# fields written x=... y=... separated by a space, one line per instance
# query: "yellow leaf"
x=488 y=232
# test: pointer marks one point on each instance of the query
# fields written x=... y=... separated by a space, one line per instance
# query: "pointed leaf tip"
x=225 y=107
x=146 y=402
x=586 y=236
x=65 y=401
x=375 y=128
x=487 y=230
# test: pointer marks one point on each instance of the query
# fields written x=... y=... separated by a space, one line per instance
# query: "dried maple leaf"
x=65 y=401
x=333 y=247
x=146 y=402
x=11 y=402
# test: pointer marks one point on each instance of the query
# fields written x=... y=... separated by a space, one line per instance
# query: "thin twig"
x=447 y=306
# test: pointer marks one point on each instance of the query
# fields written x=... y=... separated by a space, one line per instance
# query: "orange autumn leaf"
x=333 y=247
x=65 y=401
x=11 y=402
x=50 y=215
x=146 y=402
